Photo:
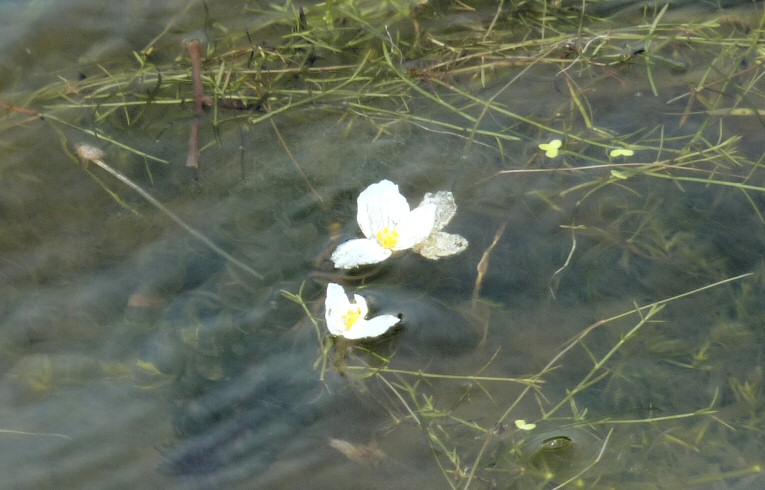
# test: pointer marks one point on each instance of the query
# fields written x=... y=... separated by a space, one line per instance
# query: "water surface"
x=135 y=356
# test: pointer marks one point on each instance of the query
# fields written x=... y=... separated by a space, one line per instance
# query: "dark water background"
x=131 y=356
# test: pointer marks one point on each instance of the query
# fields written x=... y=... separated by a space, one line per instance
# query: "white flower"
x=389 y=226
x=348 y=319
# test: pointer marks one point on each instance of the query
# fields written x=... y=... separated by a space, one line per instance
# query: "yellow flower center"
x=351 y=317
x=388 y=238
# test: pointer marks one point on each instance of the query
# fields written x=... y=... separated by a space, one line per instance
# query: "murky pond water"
x=603 y=329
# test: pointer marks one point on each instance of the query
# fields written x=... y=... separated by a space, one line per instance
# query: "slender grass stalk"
x=40 y=434
x=94 y=155
x=533 y=381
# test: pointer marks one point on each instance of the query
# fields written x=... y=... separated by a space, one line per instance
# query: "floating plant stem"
x=294 y=161
x=533 y=381
x=93 y=154
x=652 y=308
x=43 y=434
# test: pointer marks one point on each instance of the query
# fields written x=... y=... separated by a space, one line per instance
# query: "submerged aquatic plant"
x=389 y=225
x=348 y=318
x=450 y=84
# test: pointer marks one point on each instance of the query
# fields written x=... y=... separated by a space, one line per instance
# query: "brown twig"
x=483 y=264
x=20 y=110
x=481 y=269
x=194 y=48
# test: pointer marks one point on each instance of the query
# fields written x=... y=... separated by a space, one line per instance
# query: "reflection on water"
x=134 y=356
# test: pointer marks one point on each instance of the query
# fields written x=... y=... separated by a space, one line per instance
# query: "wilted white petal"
x=360 y=251
x=380 y=206
x=415 y=227
x=441 y=244
x=371 y=328
x=446 y=208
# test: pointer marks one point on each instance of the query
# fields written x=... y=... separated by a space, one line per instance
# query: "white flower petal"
x=441 y=244
x=335 y=306
x=380 y=206
x=371 y=328
x=361 y=303
x=416 y=226
x=348 y=319
x=360 y=251
x=335 y=326
x=446 y=208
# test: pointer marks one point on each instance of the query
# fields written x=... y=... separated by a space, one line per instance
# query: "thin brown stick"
x=194 y=48
x=95 y=155
x=483 y=264
x=481 y=269
x=20 y=110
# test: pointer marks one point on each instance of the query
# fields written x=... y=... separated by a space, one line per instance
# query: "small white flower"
x=389 y=226
x=348 y=319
